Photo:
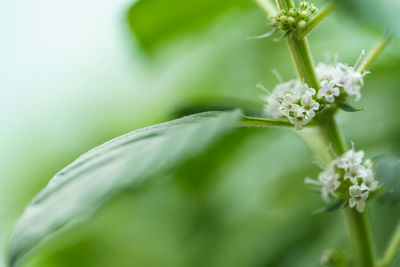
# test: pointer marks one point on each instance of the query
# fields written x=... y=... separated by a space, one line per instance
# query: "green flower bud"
x=313 y=9
x=303 y=14
x=302 y=24
x=303 y=5
x=291 y=20
x=292 y=12
x=283 y=19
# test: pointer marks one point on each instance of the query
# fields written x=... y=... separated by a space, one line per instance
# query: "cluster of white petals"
x=293 y=100
x=347 y=177
x=298 y=103
x=337 y=76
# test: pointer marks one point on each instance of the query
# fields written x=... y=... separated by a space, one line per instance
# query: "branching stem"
x=358 y=227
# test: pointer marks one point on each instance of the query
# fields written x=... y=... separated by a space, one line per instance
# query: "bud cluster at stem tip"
x=289 y=21
x=349 y=178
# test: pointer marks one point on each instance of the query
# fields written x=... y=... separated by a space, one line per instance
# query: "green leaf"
x=346 y=107
x=155 y=22
x=387 y=169
x=383 y=13
x=81 y=188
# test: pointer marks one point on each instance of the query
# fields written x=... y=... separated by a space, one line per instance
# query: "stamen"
x=330 y=148
x=359 y=59
x=260 y=86
x=318 y=162
x=277 y=75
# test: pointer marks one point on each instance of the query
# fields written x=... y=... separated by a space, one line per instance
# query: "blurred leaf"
x=387 y=169
x=154 y=22
x=383 y=13
x=78 y=190
x=346 y=107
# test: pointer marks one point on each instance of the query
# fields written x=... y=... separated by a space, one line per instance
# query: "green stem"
x=303 y=61
x=358 y=227
x=317 y=18
x=392 y=249
x=329 y=131
x=360 y=238
x=284 y=4
x=255 y=121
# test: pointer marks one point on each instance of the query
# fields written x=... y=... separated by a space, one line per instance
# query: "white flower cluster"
x=334 y=77
x=347 y=178
x=298 y=103
x=293 y=100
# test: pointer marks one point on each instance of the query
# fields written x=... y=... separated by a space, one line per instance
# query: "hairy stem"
x=392 y=249
x=262 y=122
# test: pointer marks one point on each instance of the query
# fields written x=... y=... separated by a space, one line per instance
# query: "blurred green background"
x=75 y=74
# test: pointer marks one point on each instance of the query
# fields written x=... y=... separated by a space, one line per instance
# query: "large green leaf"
x=154 y=22
x=382 y=13
x=78 y=190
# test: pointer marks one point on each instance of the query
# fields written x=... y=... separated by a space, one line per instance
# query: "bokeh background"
x=74 y=74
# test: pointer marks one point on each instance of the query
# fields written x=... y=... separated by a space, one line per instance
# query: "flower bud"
x=302 y=24
x=303 y=5
x=291 y=20
x=292 y=12
x=303 y=14
x=368 y=163
x=313 y=9
x=283 y=19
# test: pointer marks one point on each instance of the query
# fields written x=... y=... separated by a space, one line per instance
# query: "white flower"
x=343 y=76
x=369 y=182
x=298 y=120
x=308 y=103
x=350 y=79
x=329 y=182
x=325 y=71
x=357 y=197
x=273 y=100
x=287 y=105
x=353 y=173
x=350 y=158
x=293 y=100
x=328 y=90
x=349 y=166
